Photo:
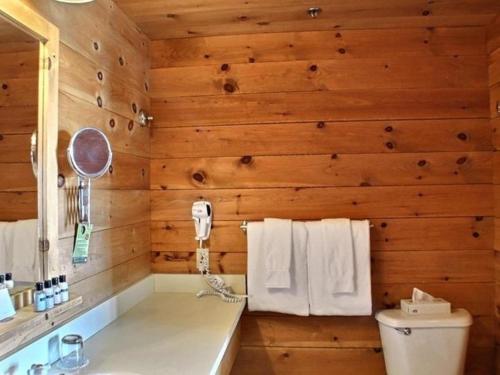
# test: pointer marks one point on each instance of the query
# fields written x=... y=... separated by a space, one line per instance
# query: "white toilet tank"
x=428 y=344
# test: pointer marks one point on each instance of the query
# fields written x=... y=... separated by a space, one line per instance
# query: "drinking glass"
x=72 y=354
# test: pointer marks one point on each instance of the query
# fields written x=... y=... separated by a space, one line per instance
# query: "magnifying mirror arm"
x=34 y=153
x=83 y=200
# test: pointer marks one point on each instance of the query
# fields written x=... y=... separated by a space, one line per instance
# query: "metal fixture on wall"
x=314 y=12
x=90 y=155
x=34 y=153
x=145 y=118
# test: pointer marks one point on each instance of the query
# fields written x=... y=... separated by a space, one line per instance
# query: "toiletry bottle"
x=49 y=294
x=39 y=300
x=57 y=291
x=64 y=288
x=9 y=283
x=2 y=281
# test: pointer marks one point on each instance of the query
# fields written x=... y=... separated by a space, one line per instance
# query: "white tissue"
x=424 y=303
x=421 y=296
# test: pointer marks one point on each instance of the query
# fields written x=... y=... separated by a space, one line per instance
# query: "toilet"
x=427 y=344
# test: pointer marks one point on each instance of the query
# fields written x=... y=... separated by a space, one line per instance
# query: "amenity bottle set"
x=6 y=281
x=50 y=293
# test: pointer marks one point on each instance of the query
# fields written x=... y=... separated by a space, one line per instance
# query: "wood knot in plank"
x=199 y=176
x=247 y=159
x=228 y=87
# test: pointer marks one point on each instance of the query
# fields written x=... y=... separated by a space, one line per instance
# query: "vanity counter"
x=167 y=333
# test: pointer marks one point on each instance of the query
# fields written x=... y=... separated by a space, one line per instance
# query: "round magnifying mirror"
x=89 y=153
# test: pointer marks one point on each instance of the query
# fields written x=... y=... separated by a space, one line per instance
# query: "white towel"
x=277 y=244
x=321 y=300
x=23 y=247
x=293 y=300
x=3 y=248
x=338 y=254
x=6 y=241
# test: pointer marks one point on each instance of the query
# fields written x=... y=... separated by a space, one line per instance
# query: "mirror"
x=90 y=155
x=19 y=188
x=29 y=96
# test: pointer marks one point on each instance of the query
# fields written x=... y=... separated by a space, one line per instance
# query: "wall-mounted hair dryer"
x=202 y=216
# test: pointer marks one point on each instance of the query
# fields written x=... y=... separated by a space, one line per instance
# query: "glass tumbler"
x=72 y=354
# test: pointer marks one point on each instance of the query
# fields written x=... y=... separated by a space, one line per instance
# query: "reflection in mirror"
x=19 y=70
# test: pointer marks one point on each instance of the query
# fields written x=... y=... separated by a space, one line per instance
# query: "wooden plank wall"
x=390 y=125
x=164 y=19
x=18 y=120
x=103 y=83
x=493 y=46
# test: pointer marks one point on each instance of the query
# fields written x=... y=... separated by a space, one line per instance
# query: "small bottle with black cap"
x=57 y=291
x=39 y=298
x=64 y=288
x=9 y=282
x=2 y=281
x=49 y=293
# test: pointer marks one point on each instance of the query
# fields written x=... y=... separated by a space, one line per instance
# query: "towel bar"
x=244 y=226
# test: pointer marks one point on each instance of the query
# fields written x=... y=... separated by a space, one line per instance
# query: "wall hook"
x=145 y=118
x=314 y=12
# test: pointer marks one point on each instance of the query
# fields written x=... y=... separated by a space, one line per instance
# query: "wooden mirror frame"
x=28 y=325
x=32 y=23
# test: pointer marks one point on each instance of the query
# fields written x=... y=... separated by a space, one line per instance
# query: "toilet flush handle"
x=404 y=331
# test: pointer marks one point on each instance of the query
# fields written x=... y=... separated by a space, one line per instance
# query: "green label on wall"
x=82 y=241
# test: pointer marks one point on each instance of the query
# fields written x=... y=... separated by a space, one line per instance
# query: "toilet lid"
x=398 y=319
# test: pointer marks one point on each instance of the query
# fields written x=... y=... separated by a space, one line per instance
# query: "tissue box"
x=436 y=306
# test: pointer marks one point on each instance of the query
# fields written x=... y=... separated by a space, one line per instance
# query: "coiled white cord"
x=219 y=288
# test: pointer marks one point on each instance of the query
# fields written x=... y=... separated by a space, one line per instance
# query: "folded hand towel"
x=4 y=255
x=24 y=250
x=321 y=300
x=7 y=244
x=338 y=254
x=277 y=244
x=292 y=300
